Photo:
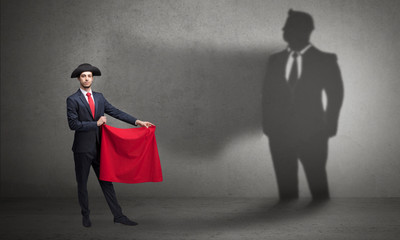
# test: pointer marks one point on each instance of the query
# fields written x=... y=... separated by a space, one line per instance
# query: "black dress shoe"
x=125 y=220
x=86 y=221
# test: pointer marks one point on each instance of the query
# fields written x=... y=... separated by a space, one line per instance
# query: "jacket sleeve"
x=267 y=96
x=73 y=119
x=334 y=92
x=118 y=114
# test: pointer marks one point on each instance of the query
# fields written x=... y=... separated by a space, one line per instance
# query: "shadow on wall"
x=199 y=96
x=294 y=118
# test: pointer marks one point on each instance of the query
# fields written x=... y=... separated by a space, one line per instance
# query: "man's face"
x=294 y=36
x=86 y=79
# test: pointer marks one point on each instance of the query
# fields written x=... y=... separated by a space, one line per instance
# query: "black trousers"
x=83 y=162
x=287 y=150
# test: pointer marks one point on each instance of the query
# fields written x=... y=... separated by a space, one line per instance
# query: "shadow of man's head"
x=297 y=29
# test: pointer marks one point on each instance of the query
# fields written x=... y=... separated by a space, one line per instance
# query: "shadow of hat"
x=85 y=67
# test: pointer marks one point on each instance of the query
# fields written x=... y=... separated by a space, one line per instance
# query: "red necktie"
x=91 y=103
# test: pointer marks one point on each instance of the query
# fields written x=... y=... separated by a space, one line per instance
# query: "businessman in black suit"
x=295 y=120
x=85 y=112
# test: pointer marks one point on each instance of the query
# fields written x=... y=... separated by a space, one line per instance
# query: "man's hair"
x=299 y=20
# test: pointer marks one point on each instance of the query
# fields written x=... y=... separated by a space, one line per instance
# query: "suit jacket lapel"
x=96 y=104
x=83 y=99
x=308 y=60
x=282 y=61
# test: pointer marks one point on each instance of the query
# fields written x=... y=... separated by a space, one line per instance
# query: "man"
x=295 y=120
x=85 y=112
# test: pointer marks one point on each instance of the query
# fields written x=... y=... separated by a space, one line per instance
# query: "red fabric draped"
x=129 y=155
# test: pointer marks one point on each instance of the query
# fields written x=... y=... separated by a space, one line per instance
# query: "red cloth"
x=129 y=155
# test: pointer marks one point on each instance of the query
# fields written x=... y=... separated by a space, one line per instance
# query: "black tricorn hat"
x=85 y=67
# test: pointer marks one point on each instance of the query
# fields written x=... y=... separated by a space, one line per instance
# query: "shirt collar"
x=302 y=51
x=84 y=92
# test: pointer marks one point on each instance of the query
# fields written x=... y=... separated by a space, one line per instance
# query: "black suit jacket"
x=300 y=109
x=87 y=133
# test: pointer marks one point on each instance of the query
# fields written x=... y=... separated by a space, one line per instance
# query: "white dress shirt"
x=299 y=62
x=84 y=93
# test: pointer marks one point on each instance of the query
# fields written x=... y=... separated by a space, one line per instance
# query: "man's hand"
x=102 y=120
x=144 y=124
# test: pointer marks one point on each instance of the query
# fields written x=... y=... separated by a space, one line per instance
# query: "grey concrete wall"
x=195 y=69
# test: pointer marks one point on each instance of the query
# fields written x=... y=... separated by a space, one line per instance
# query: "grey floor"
x=204 y=218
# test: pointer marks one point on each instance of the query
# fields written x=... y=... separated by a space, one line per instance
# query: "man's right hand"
x=102 y=120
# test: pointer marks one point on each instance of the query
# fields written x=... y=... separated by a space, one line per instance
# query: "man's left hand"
x=144 y=124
